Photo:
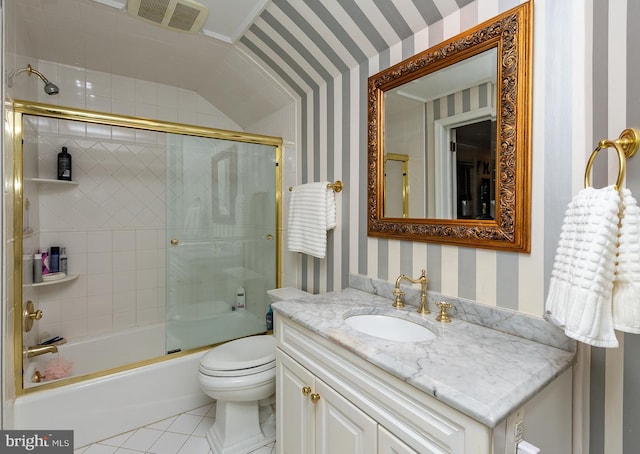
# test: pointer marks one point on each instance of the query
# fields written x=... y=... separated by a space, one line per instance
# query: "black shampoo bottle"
x=64 y=165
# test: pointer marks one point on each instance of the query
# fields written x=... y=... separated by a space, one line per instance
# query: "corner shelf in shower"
x=70 y=277
x=51 y=181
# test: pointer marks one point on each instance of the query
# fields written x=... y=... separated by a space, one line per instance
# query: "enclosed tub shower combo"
x=162 y=242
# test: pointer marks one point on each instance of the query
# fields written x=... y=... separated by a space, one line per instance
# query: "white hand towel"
x=626 y=287
x=580 y=291
x=312 y=211
x=331 y=208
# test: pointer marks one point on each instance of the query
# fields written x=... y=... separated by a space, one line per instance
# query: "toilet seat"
x=241 y=357
x=237 y=372
x=240 y=388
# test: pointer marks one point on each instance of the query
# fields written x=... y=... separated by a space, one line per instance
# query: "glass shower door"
x=221 y=239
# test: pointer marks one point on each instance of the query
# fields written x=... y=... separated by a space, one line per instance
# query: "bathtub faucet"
x=41 y=350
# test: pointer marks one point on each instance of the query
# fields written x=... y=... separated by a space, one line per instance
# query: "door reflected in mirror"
x=396 y=189
x=473 y=149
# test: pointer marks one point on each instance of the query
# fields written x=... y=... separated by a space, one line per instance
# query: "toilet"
x=241 y=376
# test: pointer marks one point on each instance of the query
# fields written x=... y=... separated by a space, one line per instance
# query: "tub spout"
x=41 y=350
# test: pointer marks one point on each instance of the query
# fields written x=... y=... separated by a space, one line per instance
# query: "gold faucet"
x=41 y=350
x=422 y=280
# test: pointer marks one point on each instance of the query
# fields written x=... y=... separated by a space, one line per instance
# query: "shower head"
x=49 y=87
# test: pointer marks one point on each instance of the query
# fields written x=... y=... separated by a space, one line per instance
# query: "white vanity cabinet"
x=314 y=418
x=470 y=390
x=359 y=408
x=390 y=444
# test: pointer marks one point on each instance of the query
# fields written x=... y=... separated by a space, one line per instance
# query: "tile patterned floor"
x=181 y=434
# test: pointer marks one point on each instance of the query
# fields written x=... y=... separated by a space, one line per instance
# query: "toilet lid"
x=239 y=372
x=239 y=354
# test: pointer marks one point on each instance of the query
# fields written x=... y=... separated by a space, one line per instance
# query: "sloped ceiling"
x=291 y=48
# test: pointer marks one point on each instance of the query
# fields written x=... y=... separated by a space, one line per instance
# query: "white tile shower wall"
x=120 y=191
x=111 y=93
x=112 y=223
x=115 y=289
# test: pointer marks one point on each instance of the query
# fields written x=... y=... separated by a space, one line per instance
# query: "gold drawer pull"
x=306 y=390
x=315 y=398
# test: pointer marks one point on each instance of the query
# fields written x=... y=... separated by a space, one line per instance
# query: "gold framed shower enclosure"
x=17 y=110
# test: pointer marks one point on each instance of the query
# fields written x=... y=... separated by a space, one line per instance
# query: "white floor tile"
x=142 y=439
x=203 y=427
x=195 y=445
x=168 y=443
x=100 y=449
x=185 y=424
x=181 y=434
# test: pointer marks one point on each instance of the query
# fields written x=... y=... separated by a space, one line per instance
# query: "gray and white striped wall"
x=586 y=66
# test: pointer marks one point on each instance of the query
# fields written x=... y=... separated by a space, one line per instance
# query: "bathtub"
x=187 y=332
x=107 y=406
x=103 y=352
x=103 y=407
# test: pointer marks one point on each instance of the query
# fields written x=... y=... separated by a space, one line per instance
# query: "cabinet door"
x=294 y=411
x=390 y=444
x=341 y=428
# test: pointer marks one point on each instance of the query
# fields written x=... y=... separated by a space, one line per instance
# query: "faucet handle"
x=30 y=315
x=443 y=316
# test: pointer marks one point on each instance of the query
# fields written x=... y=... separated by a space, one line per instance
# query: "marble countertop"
x=481 y=372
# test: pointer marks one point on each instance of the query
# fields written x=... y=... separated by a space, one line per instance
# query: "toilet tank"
x=285 y=293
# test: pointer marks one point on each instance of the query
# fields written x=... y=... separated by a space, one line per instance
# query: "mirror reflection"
x=396 y=185
x=459 y=113
x=224 y=185
x=445 y=122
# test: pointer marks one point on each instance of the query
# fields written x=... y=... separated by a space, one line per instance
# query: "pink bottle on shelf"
x=45 y=262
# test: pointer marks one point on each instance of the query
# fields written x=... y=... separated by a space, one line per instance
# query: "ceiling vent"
x=182 y=15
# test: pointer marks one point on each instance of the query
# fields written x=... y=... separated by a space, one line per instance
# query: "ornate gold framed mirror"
x=461 y=111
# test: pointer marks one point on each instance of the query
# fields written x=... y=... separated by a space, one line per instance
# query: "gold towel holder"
x=626 y=145
x=337 y=186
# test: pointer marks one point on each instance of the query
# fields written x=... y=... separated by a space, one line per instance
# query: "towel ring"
x=622 y=161
x=626 y=146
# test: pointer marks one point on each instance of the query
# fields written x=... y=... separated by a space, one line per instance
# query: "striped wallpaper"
x=586 y=63
x=586 y=66
x=615 y=61
x=325 y=51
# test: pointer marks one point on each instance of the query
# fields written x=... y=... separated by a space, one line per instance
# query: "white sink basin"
x=390 y=328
